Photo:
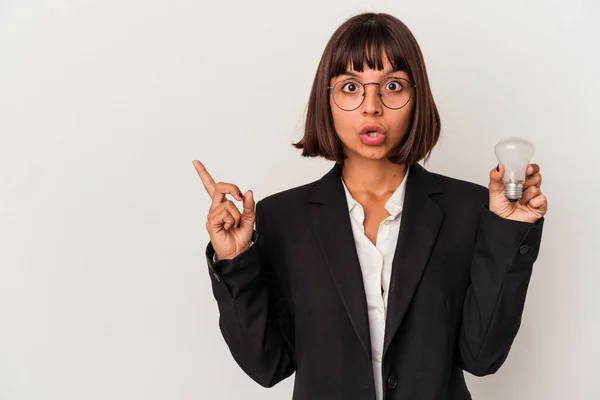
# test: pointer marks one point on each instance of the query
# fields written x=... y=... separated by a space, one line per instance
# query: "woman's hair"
x=361 y=39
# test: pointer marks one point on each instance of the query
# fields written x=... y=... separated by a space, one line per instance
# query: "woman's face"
x=348 y=124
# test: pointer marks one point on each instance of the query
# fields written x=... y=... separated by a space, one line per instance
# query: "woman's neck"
x=372 y=177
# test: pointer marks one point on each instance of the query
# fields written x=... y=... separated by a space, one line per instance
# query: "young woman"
x=381 y=280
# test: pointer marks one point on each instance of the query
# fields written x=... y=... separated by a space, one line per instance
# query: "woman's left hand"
x=532 y=205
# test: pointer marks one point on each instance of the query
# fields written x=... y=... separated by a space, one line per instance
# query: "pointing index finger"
x=207 y=180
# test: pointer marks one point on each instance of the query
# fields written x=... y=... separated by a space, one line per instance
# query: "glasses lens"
x=395 y=92
x=349 y=94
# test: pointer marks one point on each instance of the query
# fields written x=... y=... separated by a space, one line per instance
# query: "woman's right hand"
x=230 y=232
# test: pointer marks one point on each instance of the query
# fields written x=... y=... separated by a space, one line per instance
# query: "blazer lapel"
x=419 y=227
x=331 y=224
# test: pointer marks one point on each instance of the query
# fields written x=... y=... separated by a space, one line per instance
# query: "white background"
x=104 y=289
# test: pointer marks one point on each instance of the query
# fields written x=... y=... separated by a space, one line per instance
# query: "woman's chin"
x=374 y=152
x=366 y=152
x=371 y=155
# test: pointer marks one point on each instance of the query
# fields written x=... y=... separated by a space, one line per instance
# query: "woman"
x=381 y=279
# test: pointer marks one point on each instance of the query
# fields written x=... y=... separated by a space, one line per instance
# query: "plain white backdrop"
x=104 y=288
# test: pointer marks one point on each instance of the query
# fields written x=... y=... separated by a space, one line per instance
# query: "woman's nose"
x=372 y=102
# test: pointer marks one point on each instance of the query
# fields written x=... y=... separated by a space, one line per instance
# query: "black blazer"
x=295 y=301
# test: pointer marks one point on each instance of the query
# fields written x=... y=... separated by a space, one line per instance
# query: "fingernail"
x=498 y=167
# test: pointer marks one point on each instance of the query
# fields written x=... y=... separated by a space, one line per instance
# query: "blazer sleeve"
x=500 y=270
x=254 y=318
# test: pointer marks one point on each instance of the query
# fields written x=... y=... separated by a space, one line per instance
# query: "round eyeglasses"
x=394 y=93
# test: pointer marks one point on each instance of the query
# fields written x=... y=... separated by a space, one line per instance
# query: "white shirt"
x=376 y=265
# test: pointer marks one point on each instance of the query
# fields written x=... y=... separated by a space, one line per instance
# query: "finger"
x=539 y=202
x=532 y=169
x=533 y=180
x=496 y=185
x=529 y=194
x=223 y=188
x=233 y=210
x=248 y=214
x=220 y=220
x=229 y=206
x=228 y=220
x=207 y=180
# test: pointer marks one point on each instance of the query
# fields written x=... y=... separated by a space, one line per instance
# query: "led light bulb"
x=515 y=154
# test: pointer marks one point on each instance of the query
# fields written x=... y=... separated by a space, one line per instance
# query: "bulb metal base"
x=513 y=190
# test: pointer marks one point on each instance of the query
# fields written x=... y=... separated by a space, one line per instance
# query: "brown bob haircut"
x=359 y=40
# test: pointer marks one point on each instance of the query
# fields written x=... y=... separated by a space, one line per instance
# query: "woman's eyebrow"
x=390 y=71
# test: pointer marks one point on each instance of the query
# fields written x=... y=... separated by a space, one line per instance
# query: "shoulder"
x=286 y=200
x=461 y=190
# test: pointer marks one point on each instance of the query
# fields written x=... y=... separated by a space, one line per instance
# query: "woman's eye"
x=350 y=87
x=393 y=86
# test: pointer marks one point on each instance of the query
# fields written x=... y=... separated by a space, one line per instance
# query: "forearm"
x=253 y=318
x=501 y=268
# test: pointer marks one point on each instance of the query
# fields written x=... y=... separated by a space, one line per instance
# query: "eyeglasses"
x=394 y=93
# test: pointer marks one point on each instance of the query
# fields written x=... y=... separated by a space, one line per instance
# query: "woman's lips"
x=372 y=141
x=372 y=128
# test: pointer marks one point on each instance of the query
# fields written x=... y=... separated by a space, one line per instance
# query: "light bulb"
x=515 y=154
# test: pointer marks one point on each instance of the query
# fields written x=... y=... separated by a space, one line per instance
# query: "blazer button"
x=524 y=249
x=392 y=382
